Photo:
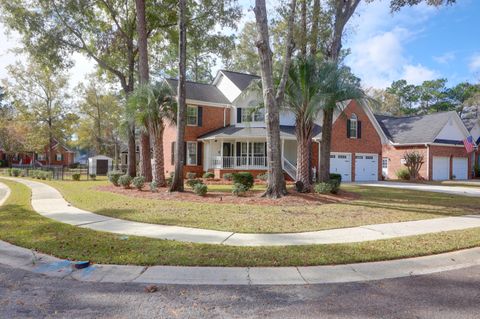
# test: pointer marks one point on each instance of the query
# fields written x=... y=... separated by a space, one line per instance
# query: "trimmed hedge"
x=243 y=178
x=125 y=181
x=200 y=189
x=139 y=182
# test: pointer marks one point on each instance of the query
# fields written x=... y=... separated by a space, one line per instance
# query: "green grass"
x=21 y=226
x=376 y=205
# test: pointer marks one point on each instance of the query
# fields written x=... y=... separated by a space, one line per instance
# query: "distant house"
x=61 y=156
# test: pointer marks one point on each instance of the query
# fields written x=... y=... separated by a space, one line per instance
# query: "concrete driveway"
x=454 y=190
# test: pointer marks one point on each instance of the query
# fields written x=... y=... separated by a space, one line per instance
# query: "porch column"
x=221 y=153
x=207 y=155
x=248 y=154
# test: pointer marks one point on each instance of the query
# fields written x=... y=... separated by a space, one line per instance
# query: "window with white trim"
x=259 y=149
x=41 y=157
x=353 y=126
x=259 y=115
x=385 y=162
x=191 y=153
x=253 y=115
x=58 y=157
x=192 y=115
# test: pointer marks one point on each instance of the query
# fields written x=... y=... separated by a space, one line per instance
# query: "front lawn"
x=374 y=205
x=21 y=226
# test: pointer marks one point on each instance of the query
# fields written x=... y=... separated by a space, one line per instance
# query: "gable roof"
x=200 y=92
x=241 y=80
x=416 y=129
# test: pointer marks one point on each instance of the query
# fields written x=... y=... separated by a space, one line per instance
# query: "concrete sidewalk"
x=48 y=202
x=22 y=258
x=445 y=189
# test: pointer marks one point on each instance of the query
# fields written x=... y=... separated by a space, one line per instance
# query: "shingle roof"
x=233 y=131
x=413 y=129
x=241 y=80
x=201 y=92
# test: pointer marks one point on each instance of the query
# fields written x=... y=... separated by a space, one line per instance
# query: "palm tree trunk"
x=145 y=157
x=325 y=145
x=304 y=147
x=158 y=159
x=177 y=182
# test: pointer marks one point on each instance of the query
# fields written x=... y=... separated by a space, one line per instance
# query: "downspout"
x=428 y=161
x=224 y=117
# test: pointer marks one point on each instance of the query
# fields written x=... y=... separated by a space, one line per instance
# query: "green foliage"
x=337 y=177
x=331 y=187
x=76 y=176
x=138 y=182
x=191 y=175
x=200 y=189
x=243 y=178
x=263 y=177
x=154 y=187
x=228 y=176
x=125 y=181
x=208 y=175
x=192 y=182
x=16 y=172
x=114 y=176
x=403 y=174
x=239 y=189
x=93 y=176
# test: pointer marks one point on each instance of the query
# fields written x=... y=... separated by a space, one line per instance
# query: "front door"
x=228 y=159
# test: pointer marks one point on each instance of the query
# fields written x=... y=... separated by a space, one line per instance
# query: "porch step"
x=289 y=168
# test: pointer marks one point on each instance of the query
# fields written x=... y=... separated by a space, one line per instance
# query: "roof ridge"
x=416 y=115
x=242 y=73
x=209 y=84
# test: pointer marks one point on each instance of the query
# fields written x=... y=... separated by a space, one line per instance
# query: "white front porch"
x=243 y=154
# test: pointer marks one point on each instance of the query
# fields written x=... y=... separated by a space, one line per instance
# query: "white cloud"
x=475 y=63
x=445 y=58
x=377 y=39
x=416 y=74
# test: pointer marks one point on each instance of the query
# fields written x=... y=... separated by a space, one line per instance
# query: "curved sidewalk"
x=29 y=260
x=48 y=202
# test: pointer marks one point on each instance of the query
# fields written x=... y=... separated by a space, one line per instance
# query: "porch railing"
x=239 y=162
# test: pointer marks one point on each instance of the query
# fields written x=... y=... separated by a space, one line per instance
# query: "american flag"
x=469 y=146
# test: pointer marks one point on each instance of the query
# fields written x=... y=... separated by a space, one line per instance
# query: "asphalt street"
x=453 y=294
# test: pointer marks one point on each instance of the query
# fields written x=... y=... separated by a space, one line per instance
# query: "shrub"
x=299 y=186
x=125 y=181
x=208 y=175
x=239 y=189
x=191 y=175
x=228 y=176
x=16 y=172
x=324 y=188
x=413 y=162
x=93 y=176
x=139 y=182
x=9 y=171
x=403 y=174
x=114 y=176
x=263 y=177
x=153 y=187
x=76 y=176
x=200 y=189
x=192 y=182
x=337 y=177
x=244 y=178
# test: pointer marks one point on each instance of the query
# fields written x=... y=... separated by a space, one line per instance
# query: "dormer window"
x=353 y=127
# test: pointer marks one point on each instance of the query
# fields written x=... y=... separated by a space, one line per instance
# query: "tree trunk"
x=276 y=181
x=145 y=157
x=303 y=24
x=315 y=28
x=132 y=152
x=143 y=77
x=158 y=159
x=304 y=150
x=324 y=174
x=177 y=182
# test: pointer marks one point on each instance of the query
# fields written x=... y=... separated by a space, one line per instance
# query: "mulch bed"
x=253 y=197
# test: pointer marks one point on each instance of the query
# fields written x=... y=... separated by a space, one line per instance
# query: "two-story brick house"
x=61 y=156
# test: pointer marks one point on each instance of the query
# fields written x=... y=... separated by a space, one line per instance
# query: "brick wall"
x=395 y=155
x=369 y=142
x=212 y=119
x=450 y=151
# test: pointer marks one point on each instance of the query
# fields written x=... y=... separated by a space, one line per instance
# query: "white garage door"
x=341 y=163
x=460 y=167
x=366 y=167
x=441 y=168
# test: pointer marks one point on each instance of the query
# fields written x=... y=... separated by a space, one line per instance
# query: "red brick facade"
x=369 y=141
x=65 y=157
x=212 y=118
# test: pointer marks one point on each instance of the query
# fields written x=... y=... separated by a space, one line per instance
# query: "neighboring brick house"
x=438 y=136
x=61 y=156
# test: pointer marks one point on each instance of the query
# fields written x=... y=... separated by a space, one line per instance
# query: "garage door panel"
x=366 y=167
x=460 y=168
x=341 y=164
x=441 y=168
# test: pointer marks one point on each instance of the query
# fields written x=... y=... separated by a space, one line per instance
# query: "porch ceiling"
x=287 y=132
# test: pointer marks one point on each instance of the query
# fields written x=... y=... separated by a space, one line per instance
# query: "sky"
x=415 y=44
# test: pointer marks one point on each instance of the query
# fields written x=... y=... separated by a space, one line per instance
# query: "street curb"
x=29 y=260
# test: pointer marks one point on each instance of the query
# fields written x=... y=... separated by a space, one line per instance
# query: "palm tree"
x=151 y=106
x=313 y=87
